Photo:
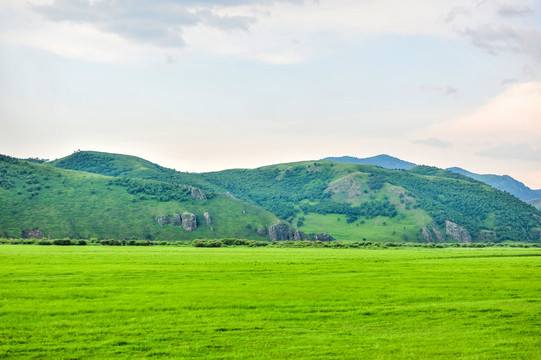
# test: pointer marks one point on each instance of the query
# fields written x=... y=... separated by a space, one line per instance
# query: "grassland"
x=232 y=303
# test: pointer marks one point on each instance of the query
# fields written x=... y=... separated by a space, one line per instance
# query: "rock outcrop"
x=174 y=220
x=32 y=234
x=457 y=232
x=432 y=235
x=206 y=215
x=189 y=221
x=198 y=193
x=427 y=235
x=323 y=236
x=279 y=232
x=282 y=232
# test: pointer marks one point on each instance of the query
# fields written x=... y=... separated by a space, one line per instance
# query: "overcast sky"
x=214 y=84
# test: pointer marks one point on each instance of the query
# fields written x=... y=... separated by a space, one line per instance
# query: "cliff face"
x=457 y=232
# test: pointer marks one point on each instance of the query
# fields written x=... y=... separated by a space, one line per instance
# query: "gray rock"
x=427 y=235
x=279 y=232
x=189 y=221
x=198 y=193
x=174 y=220
x=323 y=236
x=206 y=215
x=457 y=232
x=439 y=235
x=261 y=231
x=32 y=234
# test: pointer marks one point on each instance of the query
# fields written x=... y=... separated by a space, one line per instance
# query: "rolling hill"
x=66 y=203
x=350 y=201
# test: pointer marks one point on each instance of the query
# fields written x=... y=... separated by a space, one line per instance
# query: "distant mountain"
x=502 y=182
x=384 y=161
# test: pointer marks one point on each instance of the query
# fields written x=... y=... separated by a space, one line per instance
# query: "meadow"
x=101 y=302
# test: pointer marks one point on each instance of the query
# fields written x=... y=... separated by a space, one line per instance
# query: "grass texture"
x=99 y=302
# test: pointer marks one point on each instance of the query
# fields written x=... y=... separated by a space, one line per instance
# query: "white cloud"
x=253 y=28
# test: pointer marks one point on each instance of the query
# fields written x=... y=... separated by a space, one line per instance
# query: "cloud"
x=515 y=11
x=508 y=81
x=159 y=23
x=455 y=12
x=498 y=39
x=513 y=152
x=447 y=90
x=434 y=142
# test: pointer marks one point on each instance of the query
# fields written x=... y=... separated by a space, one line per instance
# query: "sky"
x=214 y=84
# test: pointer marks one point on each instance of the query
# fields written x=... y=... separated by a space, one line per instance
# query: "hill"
x=384 y=161
x=352 y=201
x=65 y=203
x=502 y=182
x=347 y=201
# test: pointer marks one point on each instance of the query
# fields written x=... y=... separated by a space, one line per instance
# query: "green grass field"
x=266 y=303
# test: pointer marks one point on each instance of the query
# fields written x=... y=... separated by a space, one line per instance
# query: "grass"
x=234 y=303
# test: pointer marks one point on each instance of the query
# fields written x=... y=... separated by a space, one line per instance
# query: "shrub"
x=63 y=242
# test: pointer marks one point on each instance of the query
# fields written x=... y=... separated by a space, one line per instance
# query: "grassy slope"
x=78 y=204
x=434 y=195
x=99 y=302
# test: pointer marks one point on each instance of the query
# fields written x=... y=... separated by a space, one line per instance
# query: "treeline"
x=232 y=242
x=153 y=190
x=276 y=190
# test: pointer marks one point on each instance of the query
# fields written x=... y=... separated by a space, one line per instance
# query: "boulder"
x=189 y=221
x=457 y=232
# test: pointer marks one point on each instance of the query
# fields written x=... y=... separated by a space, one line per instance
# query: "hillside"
x=502 y=182
x=65 y=203
x=354 y=202
x=366 y=202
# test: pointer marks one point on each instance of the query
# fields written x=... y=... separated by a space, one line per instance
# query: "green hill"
x=66 y=203
x=347 y=201
x=360 y=201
